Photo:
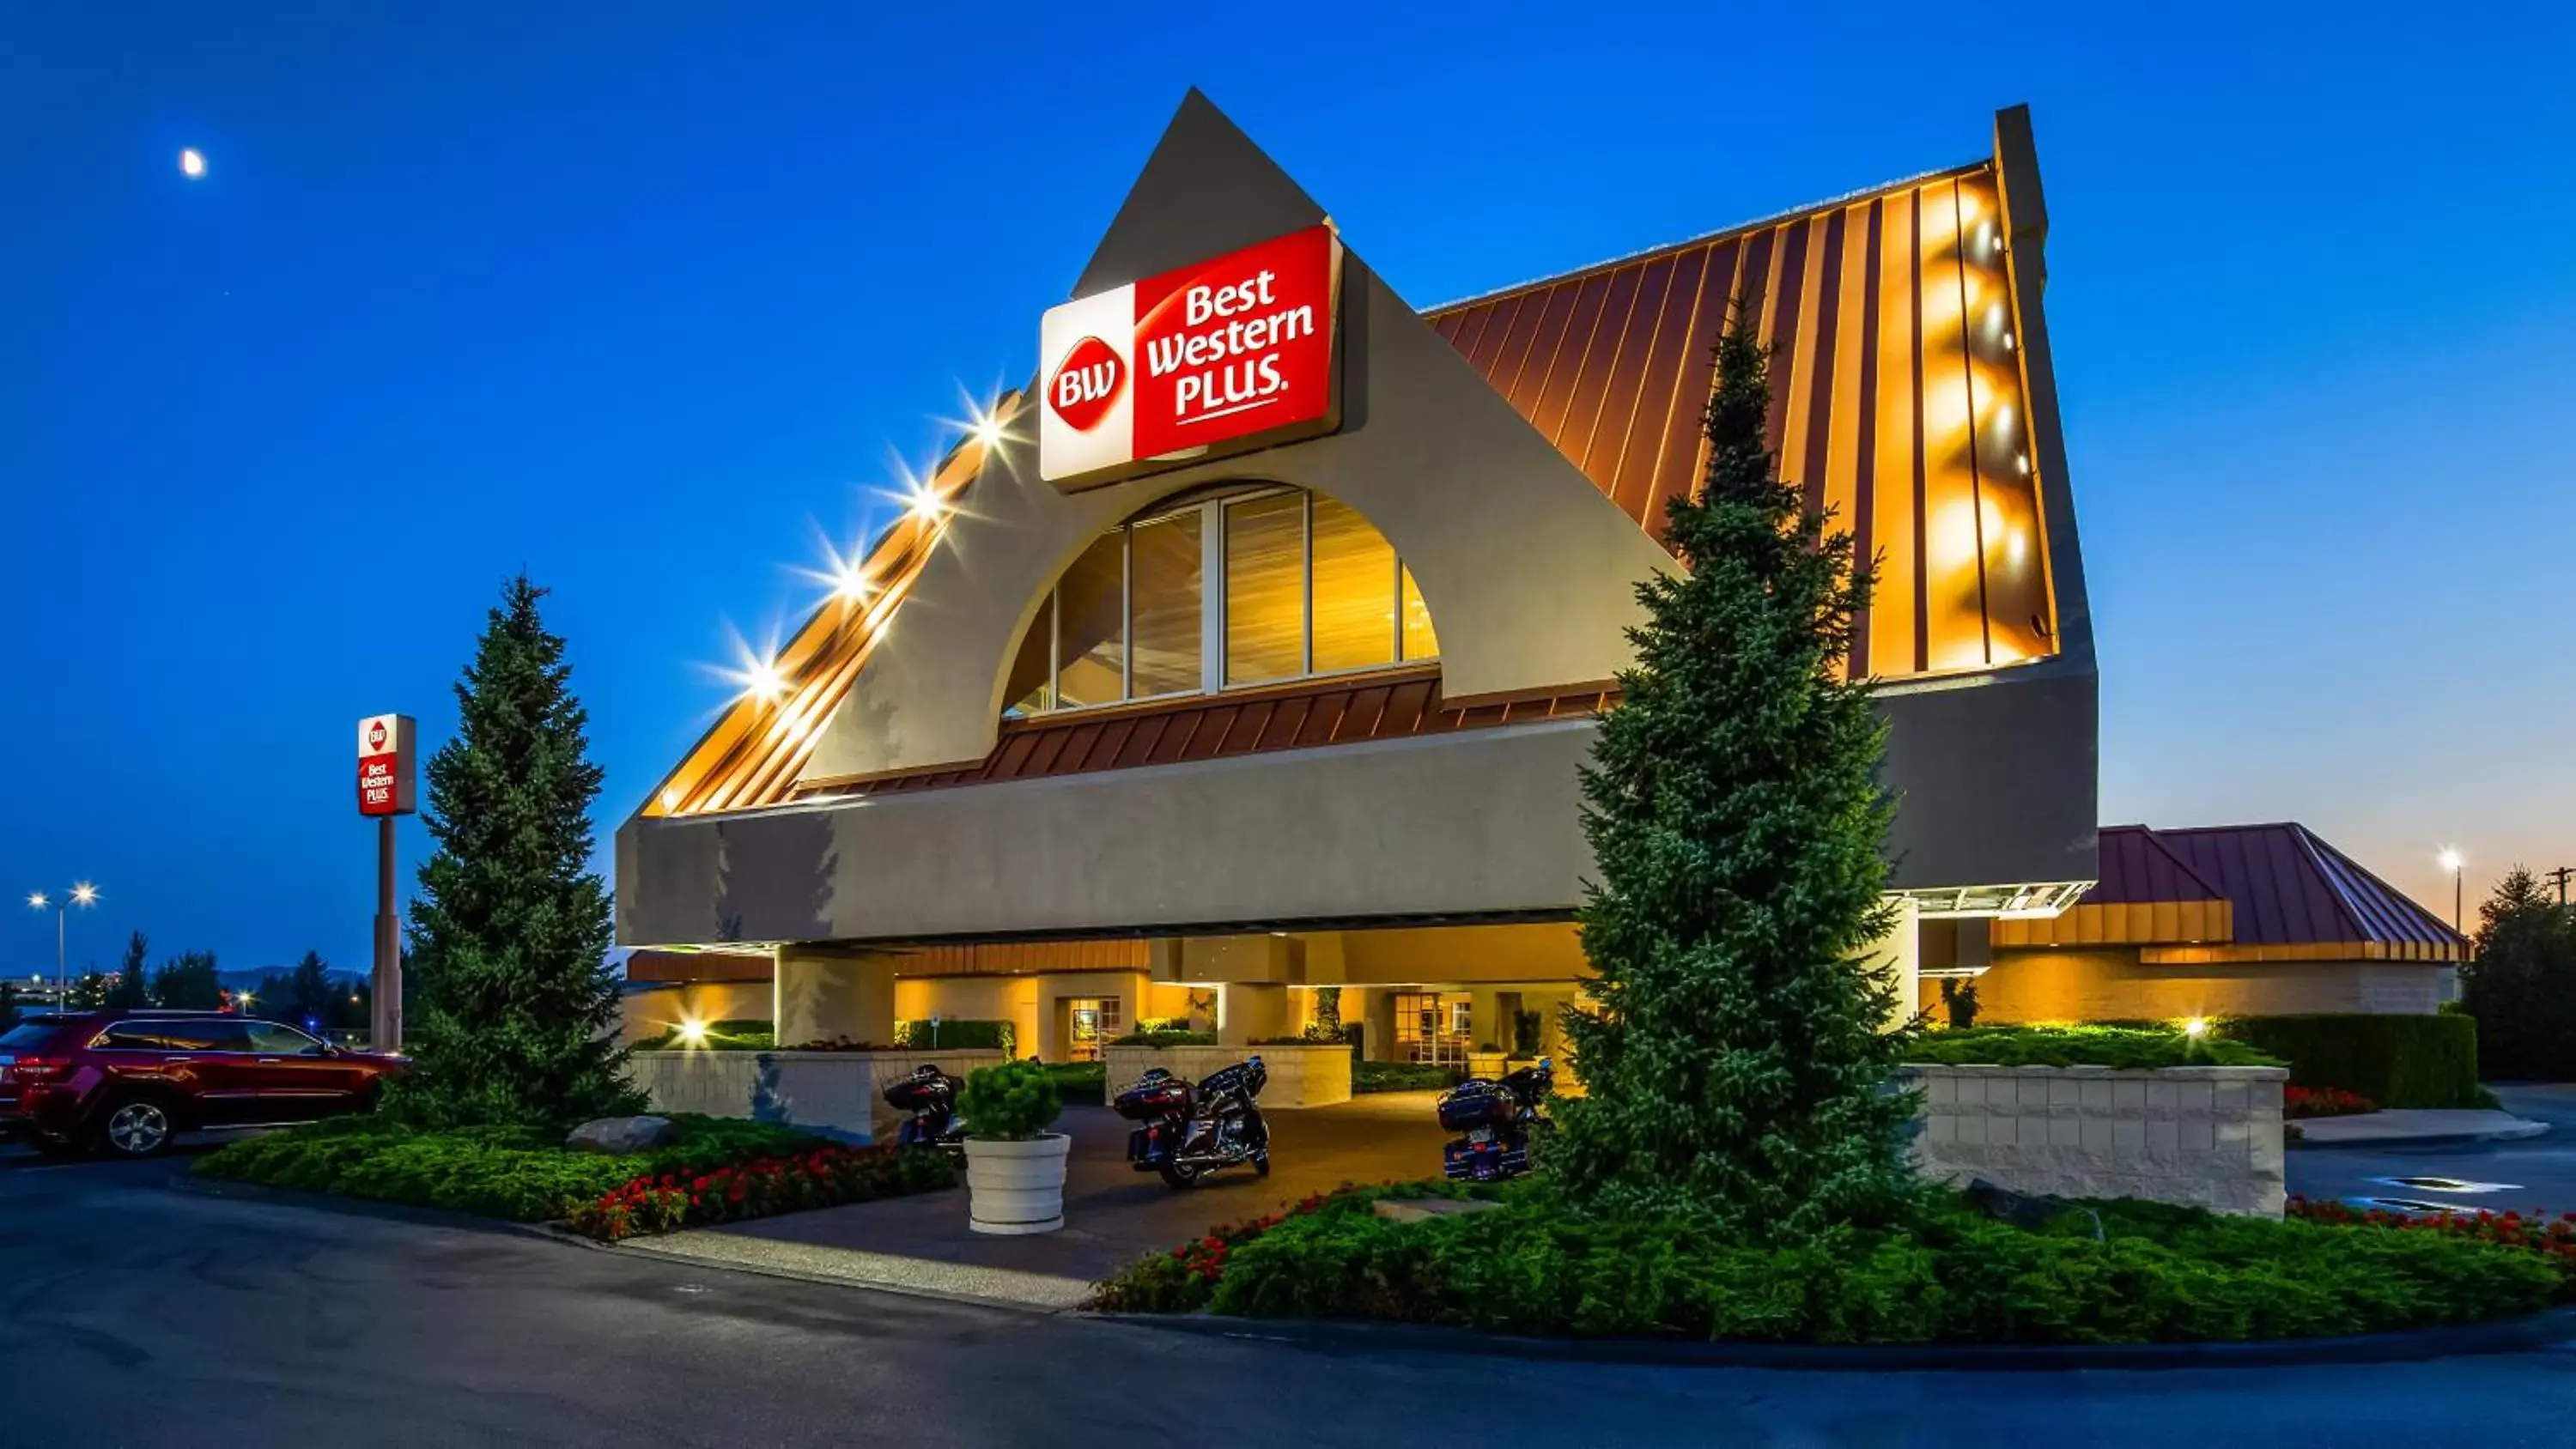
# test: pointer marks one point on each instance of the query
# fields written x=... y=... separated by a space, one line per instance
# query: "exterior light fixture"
x=766 y=683
x=671 y=798
x=37 y=900
x=853 y=583
x=1995 y=315
x=2450 y=860
x=988 y=430
x=2003 y=417
x=192 y=163
x=83 y=893
x=2196 y=1027
x=925 y=503
x=2008 y=342
x=693 y=1032
x=2022 y=461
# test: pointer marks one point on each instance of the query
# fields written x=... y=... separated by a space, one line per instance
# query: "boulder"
x=611 y=1136
x=1423 y=1209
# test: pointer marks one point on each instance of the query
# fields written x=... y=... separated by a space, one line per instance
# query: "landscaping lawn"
x=525 y=1174
x=2100 y=1272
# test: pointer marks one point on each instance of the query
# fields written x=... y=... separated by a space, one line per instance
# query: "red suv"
x=128 y=1082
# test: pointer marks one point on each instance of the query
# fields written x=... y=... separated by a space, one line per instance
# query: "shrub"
x=1947 y=1274
x=2128 y=1047
x=1080 y=1083
x=746 y=1034
x=1401 y=1077
x=523 y=1174
x=1011 y=1102
x=2396 y=1061
x=1163 y=1036
x=840 y=1044
x=1001 y=1036
x=2553 y=1239
x=821 y=1176
x=2298 y=1101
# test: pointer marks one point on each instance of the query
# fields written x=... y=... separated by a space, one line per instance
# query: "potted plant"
x=1014 y=1166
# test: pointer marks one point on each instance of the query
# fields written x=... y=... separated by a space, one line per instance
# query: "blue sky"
x=639 y=297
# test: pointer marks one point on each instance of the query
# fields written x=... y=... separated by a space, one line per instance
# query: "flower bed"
x=2298 y=1101
x=2553 y=1239
x=821 y=1177
x=523 y=1174
x=2104 y=1272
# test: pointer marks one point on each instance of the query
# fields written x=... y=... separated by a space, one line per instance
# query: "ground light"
x=693 y=1032
x=2196 y=1027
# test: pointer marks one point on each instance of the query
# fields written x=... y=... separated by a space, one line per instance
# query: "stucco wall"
x=1300 y=1076
x=2203 y=1136
x=840 y=1093
x=2112 y=984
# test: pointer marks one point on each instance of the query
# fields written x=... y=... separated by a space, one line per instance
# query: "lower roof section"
x=1995 y=785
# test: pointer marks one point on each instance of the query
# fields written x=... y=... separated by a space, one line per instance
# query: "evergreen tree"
x=91 y=990
x=9 y=1011
x=188 y=982
x=310 y=993
x=131 y=988
x=515 y=1014
x=2521 y=984
x=1734 y=1054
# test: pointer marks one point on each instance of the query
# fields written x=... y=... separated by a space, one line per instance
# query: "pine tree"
x=2521 y=982
x=8 y=1005
x=189 y=981
x=132 y=988
x=514 y=1017
x=310 y=992
x=1734 y=1055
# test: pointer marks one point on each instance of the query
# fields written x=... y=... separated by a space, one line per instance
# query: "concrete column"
x=1900 y=954
x=826 y=994
x=1245 y=1010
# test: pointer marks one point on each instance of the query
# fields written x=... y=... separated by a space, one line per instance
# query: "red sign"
x=385 y=755
x=1224 y=355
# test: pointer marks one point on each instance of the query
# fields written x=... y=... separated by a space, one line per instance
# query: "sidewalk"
x=1113 y=1214
x=2417 y=1127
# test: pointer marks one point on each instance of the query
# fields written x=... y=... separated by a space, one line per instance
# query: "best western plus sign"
x=385 y=765
x=1222 y=356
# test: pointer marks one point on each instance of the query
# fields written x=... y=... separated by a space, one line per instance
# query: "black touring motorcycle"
x=1184 y=1132
x=930 y=1095
x=1497 y=1118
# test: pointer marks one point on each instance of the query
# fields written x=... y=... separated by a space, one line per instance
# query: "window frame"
x=1215 y=600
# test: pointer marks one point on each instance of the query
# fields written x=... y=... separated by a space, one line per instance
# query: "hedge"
x=2125 y=1047
x=963 y=1036
x=2395 y=1061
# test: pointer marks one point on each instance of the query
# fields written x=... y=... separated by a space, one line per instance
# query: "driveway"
x=2536 y=1172
x=1114 y=1214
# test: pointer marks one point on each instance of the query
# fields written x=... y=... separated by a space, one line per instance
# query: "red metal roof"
x=2288 y=886
x=1203 y=727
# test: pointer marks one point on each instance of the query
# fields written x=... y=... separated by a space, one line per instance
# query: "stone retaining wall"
x=1300 y=1076
x=841 y=1093
x=2203 y=1136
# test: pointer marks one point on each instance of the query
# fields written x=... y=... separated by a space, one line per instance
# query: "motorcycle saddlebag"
x=1476 y=1103
x=1156 y=1094
x=925 y=1087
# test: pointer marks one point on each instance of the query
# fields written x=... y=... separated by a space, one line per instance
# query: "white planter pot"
x=1016 y=1187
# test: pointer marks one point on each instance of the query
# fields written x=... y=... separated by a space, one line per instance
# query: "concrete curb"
x=2522 y=1131
x=875 y=1272
x=2507 y=1335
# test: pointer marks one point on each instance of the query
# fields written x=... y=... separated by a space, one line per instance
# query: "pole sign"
x=1219 y=357
x=385 y=764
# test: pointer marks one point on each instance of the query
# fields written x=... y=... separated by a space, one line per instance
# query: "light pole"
x=82 y=894
x=2451 y=862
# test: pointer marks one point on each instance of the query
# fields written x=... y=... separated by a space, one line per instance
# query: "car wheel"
x=137 y=1127
x=1178 y=1176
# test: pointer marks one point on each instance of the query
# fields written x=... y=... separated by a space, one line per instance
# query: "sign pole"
x=386 y=1026
x=386 y=764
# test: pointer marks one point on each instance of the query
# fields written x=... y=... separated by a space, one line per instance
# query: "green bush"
x=1001 y=1036
x=1165 y=1037
x=746 y=1034
x=2128 y=1047
x=2396 y=1061
x=1951 y=1274
x=1010 y=1102
x=524 y=1174
x=1081 y=1083
x=817 y=1176
x=1401 y=1077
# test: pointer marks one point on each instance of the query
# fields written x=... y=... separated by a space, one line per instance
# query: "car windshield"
x=29 y=1032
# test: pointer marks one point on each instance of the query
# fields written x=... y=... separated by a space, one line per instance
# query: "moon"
x=192 y=163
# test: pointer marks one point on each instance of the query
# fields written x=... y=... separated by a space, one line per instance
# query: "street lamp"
x=83 y=895
x=2451 y=861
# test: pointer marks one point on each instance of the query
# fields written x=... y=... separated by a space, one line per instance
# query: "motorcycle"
x=930 y=1095
x=1496 y=1118
x=1185 y=1132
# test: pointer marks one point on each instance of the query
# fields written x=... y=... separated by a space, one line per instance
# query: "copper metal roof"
x=2291 y=888
x=2138 y=868
x=1897 y=397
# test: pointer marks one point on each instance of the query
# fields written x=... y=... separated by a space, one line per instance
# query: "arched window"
x=1251 y=586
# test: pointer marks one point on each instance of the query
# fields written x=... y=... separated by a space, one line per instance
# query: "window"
x=1252 y=588
x=177 y=1034
x=275 y=1040
x=1095 y=1023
